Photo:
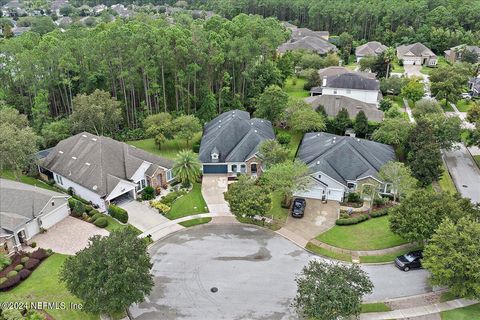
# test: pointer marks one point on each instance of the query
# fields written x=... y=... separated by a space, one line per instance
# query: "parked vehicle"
x=411 y=260
x=298 y=207
x=465 y=96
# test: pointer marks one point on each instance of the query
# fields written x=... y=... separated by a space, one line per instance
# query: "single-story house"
x=334 y=103
x=474 y=86
x=230 y=144
x=372 y=48
x=25 y=210
x=102 y=170
x=309 y=43
x=416 y=54
x=456 y=53
x=299 y=33
x=341 y=164
x=353 y=85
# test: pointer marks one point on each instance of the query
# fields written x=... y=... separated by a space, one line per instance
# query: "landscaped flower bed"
x=357 y=217
x=21 y=266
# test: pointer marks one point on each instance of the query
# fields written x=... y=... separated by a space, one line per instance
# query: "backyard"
x=373 y=234
x=189 y=204
x=44 y=285
x=296 y=138
x=8 y=174
x=464 y=105
x=294 y=87
x=169 y=149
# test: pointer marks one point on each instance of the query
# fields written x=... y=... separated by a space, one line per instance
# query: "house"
x=474 y=86
x=416 y=54
x=25 y=210
x=230 y=144
x=372 y=48
x=352 y=85
x=333 y=71
x=102 y=170
x=456 y=53
x=341 y=164
x=309 y=43
x=299 y=33
x=334 y=103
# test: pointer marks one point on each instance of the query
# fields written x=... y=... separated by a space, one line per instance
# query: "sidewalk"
x=408 y=110
x=418 y=311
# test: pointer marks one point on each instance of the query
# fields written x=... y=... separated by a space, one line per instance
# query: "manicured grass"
x=397 y=68
x=385 y=257
x=397 y=101
x=8 y=174
x=445 y=107
x=168 y=150
x=375 y=307
x=114 y=225
x=468 y=313
x=441 y=62
x=372 y=234
x=327 y=253
x=44 y=285
x=277 y=212
x=294 y=142
x=189 y=204
x=296 y=89
x=195 y=222
x=446 y=182
x=464 y=105
x=477 y=160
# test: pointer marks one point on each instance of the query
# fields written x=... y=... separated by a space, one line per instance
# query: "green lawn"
x=440 y=63
x=397 y=101
x=114 y=225
x=373 y=234
x=468 y=313
x=375 y=307
x=44 y=285
x=8 y=174
x=277 y=212
x=296 y=90
x=189 y=204
x=169 y=149
x=477 y=160
x=195 y=222
x=327 y=253
x=294 y=142
x=385 y=257
x=464 y=105
x=446 y=182
x=397 y=68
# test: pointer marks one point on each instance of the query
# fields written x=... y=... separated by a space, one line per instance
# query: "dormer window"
x=214 y=155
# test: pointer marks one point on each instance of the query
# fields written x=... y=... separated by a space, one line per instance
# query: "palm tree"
x=186 y=167
x=389 y=55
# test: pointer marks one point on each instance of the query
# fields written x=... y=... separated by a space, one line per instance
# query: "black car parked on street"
x=298 y=207
x=411 y=260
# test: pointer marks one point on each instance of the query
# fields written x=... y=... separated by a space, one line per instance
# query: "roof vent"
x=95 y=187
x=255 y=130
x=61 y=152
x=318 y=162
x=94 y=139
x=87 y=163
x=84 y=135
x=219 y=120
x=261 y=121
x=358 y=140
x=74 y=158
x=219 y=126
x=318 y=134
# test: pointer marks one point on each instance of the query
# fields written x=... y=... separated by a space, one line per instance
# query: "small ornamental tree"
x=286 y=178
x=399 y=176
x=329 y=291
x=271 y=103
x=246 y=197
x=186 y=167
x=361 y=124
x=272 y=152
x=111 y=273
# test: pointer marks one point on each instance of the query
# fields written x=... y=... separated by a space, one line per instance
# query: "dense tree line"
x=190 y=67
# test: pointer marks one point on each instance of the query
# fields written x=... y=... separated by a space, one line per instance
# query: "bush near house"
x=161 y=207
x=362 y=217
x=77 y=207
x=118 y=213
x=148 y=193
x=284 y=138
x=101 y=222
x=172 y=196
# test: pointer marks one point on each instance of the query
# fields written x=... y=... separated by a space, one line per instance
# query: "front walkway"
x=213 y=187
x=142 y=216
x=68 y=236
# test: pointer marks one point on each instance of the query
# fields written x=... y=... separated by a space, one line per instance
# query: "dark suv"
x=298 y=207
x=411 y=260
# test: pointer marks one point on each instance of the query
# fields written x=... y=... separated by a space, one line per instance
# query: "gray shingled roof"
x=352 y=80
x=235 y=136
x=343 y=158
x=334 y=103
x=372 y=48
x=21 y=202
x=298 y=33
x=98 y=163
x=311 y=43
x=418 y=49
x=337 y=70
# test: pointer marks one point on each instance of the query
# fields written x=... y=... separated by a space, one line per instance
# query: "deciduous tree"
x=246 y=198
x=399 y=176
x=301 y=117
x=185 y=127
x=413 y=90
x=287 y=178
x=271 y=104
x=273 y=152
x=394 y=131
x=361 y=124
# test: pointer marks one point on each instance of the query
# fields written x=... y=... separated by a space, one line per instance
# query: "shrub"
x=93 y=212
x=148 y=193
x=32 y=264
x=24 y=259
x=118 y=213
x=49 y=252
x=3 y=279
x=18 y=267
x=196 y=147
x=88 y=209
x=353 y=197
x=96 y=216
x=33 y=244
x=12 y=273
x=101 y=222
x=39 y=254
x=350 y=221
x=160 y=206
x=379 y=213
x=4 y=260
x=24 y=274
x=379 y=201
x=171 y=197
x=284 y=138
x=77 y=207
x=10 y=282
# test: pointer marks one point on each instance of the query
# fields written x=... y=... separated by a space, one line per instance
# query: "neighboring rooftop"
x=311 y=43
x=298 y=33
x=334 y=103
x=343 y=158
x=352 y=80
x=98 y=163
x=417 y=49
x=337 y=70
x=234 y=136
x=372 y=48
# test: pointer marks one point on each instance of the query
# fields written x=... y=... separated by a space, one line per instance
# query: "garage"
x=215 y=169
x=319 y=191
x=54 y=217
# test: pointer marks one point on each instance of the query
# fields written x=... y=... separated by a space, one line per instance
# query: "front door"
x=21 y=236
x=253 y=168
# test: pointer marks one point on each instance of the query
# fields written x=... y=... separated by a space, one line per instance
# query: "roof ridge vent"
x=61 y=152
x=87 y=163
x=84 y=135
x=74 y=158
x=94 y=139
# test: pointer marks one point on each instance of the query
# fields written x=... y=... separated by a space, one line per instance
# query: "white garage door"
x=335 y=194
x=55 y=216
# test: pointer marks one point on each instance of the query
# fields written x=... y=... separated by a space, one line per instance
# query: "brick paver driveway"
x=68 y=236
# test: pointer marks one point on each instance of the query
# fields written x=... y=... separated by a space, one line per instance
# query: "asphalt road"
x=464 y=172
x=253 y=269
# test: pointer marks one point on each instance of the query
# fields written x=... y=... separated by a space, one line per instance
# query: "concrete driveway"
x=413 y=70
x=318 y=218
x=68 y=236
x=254 y=270
x=142 y=216
x=464 y=172
x=213 y=187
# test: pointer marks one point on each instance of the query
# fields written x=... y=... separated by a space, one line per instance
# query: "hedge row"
x=118 y=213
x=361 y=218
